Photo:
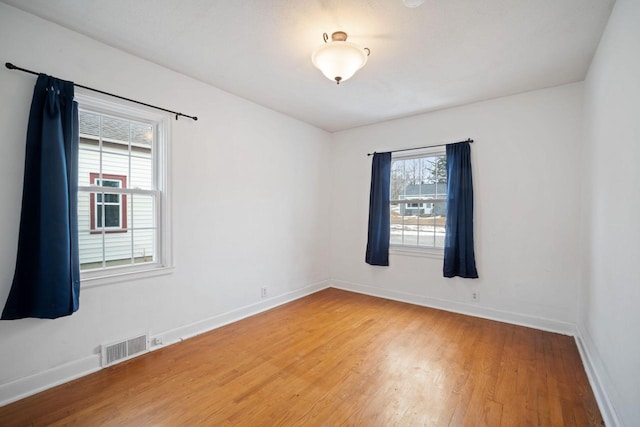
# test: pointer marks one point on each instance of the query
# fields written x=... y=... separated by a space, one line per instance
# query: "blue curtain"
x=46 y=283
x=459 y=258
x=378 y=237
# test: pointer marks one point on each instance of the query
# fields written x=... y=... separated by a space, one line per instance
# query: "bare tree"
x=397 y=180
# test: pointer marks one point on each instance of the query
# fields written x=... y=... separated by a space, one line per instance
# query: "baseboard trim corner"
x=591 y=366
x=202 y=326
x=544 y=324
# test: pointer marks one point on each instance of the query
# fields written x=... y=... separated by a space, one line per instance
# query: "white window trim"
x=116 y=275
x=417 y=251
x=415 y=154
x=164 y=265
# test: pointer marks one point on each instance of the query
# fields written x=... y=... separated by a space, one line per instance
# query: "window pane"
x=397 y=180
x=396 y=225
x=110 y=183
x=426 y=231
x=141 y=136
x=115 y=164
x=90 y=244
x=426 y=164
x=141 y=172
x=112 y=215
x=140 y=211
x=88 y=163
x=115 y=134
x=111 y=212
x=109 y=198
x=89 y=124
x=410 y=230
x=440 y=220
x=441 y=170
x=117 y=248
x=143 y=244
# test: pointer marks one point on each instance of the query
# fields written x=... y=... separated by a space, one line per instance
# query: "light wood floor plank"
x=335 y=358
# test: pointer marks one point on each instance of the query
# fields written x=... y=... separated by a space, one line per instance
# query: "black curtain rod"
x=469 y=140
x=10 y=66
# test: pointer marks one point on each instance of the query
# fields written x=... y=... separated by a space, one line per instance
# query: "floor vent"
x=123 y=350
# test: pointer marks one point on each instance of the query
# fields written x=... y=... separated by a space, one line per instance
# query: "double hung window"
x=122 y=190
x=418 y=199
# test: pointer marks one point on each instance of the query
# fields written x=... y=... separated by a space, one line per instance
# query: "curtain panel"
x=459 y=257
x=379 y=214
x=46 y=282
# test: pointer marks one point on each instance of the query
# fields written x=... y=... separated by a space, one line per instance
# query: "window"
x=122 y=192
x=418 y=199
x=112 y=207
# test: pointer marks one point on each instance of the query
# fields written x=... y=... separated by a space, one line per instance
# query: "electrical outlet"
x=263 y=292
x=157 y=341
x=475 y=296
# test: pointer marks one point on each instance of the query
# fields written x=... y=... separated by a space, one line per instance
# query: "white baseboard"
x=188 y=331
x=593 y=366
x=32 y=384
x=549 y=325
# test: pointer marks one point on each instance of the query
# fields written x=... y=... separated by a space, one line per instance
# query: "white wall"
x=250 y=194
x=527 y=195
x=610 y=298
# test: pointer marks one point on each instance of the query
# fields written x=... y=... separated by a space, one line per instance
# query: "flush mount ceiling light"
x=339 y=59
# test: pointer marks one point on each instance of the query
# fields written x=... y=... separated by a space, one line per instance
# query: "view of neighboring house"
x=430 y=199
x=114 y=228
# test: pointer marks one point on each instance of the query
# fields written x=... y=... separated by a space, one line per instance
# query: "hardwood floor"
x=335 y=358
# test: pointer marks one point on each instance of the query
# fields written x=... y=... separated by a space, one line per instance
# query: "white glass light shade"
x=339 y=60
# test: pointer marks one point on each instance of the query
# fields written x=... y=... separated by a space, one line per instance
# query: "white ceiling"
x=440 y=54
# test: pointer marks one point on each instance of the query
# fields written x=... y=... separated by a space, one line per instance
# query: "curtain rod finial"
x=9 y=65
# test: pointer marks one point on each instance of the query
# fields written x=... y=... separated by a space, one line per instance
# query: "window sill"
x=435 y=253
x=93 y=279
x=119 y=230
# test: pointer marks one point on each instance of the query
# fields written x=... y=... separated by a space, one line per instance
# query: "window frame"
x=163 y=262
x=95 y=204
x=414 y=250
